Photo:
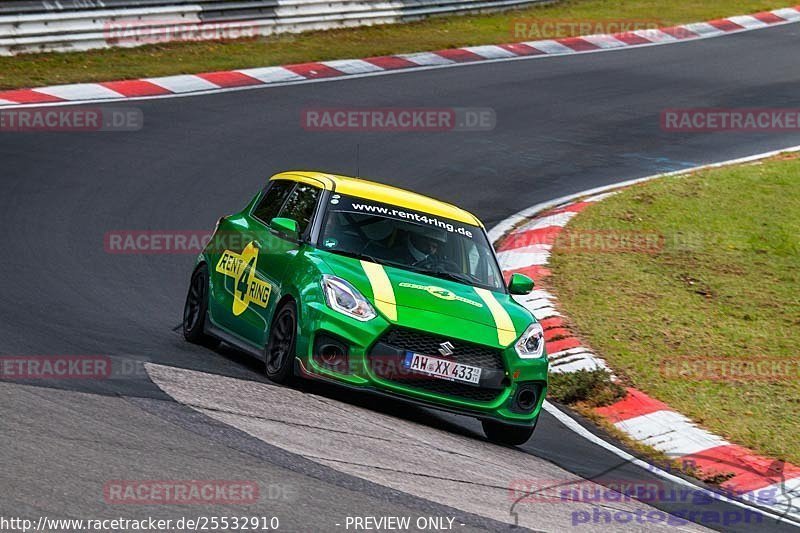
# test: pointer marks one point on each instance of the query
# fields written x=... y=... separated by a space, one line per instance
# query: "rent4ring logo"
x=400 y=214
x=247 y=288
x=440 y=293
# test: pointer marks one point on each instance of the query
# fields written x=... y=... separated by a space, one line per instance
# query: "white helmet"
x=423 y=241
x=378 y=231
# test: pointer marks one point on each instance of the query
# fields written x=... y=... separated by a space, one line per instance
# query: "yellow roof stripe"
x=505 y=327
x=380 y=192
x=382 y=290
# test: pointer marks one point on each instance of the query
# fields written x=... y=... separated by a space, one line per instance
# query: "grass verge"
x=584 y=390
x=593 y=388
x=33 y=70
x=710 y=322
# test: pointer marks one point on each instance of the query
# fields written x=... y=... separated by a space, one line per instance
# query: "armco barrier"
x=40 y=26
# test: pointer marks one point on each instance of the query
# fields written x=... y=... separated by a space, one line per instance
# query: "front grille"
x=428 y=344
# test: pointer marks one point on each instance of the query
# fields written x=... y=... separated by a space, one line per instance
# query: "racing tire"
x=507 y=434
x=196 y=308
x=280 y=350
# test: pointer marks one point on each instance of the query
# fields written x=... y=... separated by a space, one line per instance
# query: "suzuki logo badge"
x=446 y=348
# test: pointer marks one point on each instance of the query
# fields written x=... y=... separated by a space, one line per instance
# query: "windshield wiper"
x=458 y=277
x=356 y=255
x=455 y=276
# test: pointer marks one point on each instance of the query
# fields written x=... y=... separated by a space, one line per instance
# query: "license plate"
x=442 y=368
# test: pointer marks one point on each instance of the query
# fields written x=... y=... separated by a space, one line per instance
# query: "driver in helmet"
x=426 y=245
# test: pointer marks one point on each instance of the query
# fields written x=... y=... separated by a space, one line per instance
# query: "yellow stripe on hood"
x=382 y=290
x=505 y=327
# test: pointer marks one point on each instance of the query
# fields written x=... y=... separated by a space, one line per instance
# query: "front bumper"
x=496 y=397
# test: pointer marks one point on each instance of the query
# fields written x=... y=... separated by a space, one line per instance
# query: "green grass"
x=593 y=388
x=726 y=284
x=32 y=70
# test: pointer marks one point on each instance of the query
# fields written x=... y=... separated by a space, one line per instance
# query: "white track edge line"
x=385 y=72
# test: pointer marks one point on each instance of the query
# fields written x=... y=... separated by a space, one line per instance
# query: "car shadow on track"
x=364 y=400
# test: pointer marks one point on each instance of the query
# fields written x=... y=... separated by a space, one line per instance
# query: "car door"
x=276 y=251
x=239 y=271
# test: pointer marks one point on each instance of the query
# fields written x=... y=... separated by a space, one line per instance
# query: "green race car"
x=374 y=288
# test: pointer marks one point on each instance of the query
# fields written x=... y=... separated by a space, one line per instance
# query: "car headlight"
x=531 y=344
x=344 y=298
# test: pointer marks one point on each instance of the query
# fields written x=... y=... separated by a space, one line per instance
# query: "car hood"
x=435 y=304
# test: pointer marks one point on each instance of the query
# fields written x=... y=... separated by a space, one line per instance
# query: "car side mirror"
x=520 y=284
x=287 y=226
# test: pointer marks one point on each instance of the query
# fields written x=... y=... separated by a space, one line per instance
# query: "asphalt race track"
x=172 y=410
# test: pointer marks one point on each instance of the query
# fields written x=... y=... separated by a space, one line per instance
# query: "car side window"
x=478 y=262
x=273 y=200
x=301 y=205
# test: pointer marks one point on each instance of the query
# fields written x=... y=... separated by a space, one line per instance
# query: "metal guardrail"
x=67 y=25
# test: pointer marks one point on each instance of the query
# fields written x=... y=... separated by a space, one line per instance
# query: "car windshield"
x=412 y=240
